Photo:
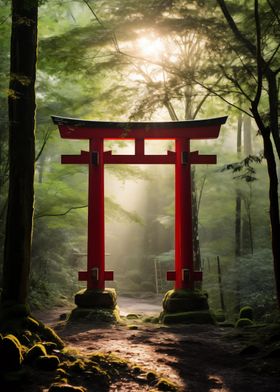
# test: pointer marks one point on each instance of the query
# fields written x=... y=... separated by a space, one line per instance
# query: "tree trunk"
x=247 y=136
x=274 y=209
x=22 y=107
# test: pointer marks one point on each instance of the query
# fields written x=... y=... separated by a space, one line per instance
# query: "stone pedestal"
x=185 y=306
x=96 y=305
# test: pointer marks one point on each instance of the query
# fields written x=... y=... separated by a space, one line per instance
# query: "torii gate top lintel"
x=74 y=128
x=185 y=274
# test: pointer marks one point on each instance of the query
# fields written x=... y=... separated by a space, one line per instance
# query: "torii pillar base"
x=96 y=305
x=186 y=306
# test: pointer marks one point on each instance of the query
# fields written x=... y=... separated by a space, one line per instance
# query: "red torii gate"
x=180 y=131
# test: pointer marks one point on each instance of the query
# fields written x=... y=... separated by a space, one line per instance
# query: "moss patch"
x=185 y=301
x=62 y=387
x=35 y=352
x=10 y=353
x=243 y=322
x=246 y=312
x=202 y=317
x=97 y=315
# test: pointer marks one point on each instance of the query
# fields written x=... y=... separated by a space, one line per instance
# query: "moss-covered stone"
x=132 y=316
x=96 y=299
x=48 y=362
x=31 y=324
x=151 y=377
x=243 y=322
x=60 y=387
x=97 y=315
x=36 y=351
x=49 y=335
x=200 y=317
x=246 y=313
x=50 y=346
x=165 y=385
x=10 y=353
x=185 y=301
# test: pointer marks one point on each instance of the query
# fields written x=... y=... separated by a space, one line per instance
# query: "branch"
x=274 y=11
x=46 y=137
x=114 y=38
x=248 y=44
x=259 y=55
x=62 y=213
x=223 y=99
x=235 y=82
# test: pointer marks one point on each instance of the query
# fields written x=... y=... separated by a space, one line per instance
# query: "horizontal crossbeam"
x=139 y=159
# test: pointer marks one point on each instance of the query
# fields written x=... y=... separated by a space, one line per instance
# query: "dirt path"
x=198 y=358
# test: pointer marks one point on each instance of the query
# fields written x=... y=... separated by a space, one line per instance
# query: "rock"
x=185 y=301
x=57 y=387
x=132 y=316
x=10 y=353
x=165 y=385
x=48 y=362
x=199 y=317
x=97 y=315
x=49 y=346
x=31 y=324
x=246 y=312
x=36 y=351
x=243 y=322
x=100 y=299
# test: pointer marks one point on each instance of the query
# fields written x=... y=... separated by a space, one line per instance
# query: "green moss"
x=185 y=301
x=199 y=317
x=243 y=322
x=61 y=387
x=31 y=324
x=151 y=377
x=151 y=319
x=35 y=352
x=48 y=334
x=164 y=385
x=10 y=353
x=98 y=315
x=246 y=313
x=132 y=316
x=48 y=362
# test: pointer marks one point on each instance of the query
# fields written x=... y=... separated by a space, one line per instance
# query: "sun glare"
x=151 y=47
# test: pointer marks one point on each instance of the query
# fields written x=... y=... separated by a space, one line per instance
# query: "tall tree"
x=22 y=107
x=260 y=48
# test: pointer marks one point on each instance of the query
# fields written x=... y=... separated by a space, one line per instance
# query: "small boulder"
x=10 y=353
x=48 y=362
x=36 y=351
x=57 y=387
x=246 y=312
x=243 y=322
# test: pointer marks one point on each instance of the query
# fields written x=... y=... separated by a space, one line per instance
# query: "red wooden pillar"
x=96 y=274
x=96 y=227
x=183 y=217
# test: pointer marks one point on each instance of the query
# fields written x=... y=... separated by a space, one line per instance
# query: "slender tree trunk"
x=21 y=151
x=273 y=210
x=247 y=136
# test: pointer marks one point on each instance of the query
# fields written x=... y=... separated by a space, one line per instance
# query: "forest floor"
x=198 y=358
